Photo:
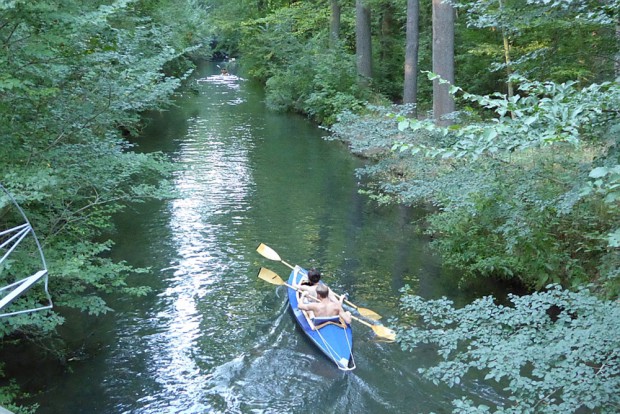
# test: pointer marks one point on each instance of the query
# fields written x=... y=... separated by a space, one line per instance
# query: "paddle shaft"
x=335 y=294
x=363 y=322
x=377 y=329
x=273 y=278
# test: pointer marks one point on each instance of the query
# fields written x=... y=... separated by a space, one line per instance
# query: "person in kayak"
x=324 y=307
x=310 y=284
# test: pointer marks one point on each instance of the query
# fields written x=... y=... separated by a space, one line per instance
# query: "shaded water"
x=214 y=338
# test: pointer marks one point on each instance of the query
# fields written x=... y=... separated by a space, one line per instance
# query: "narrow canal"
x=211 y=337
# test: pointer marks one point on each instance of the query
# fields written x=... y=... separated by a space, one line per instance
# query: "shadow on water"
x=212 y=337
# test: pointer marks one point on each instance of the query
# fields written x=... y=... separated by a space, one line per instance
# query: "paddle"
x=273 y=278
x=271 y=254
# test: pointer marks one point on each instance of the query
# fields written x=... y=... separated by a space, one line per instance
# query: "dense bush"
x=532 y=197
x=552 y=352
x=289 y=53
x=74 y=78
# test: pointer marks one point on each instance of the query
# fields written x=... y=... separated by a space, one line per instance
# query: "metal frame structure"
x=14 y=236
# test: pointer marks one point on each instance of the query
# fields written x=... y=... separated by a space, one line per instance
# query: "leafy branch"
x=544 y=113
x=547 y=349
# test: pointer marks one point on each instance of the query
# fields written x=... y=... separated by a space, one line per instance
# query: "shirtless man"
x=325 y=307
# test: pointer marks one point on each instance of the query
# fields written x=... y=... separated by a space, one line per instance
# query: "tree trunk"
x=387 y=24
x=334 y=23
x=507 y=60
x=443 y=60
x=410 y=89
x=363 y=45
x=261 y=5
x=508 y=71
x=617 y=63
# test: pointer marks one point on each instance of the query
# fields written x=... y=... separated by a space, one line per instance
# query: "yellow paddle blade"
x=380 y=330
x=271 y=254
x=367 y=313
x=384 y=332
x=268 y=252
x=270 y=276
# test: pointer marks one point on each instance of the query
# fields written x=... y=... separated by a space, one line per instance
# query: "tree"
x=443 y=60
x=334 y=22
x=617 y=58
x=557 y=41
x=74 y=78
x=517 y=199
x=389 y=65
x=410 y=89
x=554 y=351
x=287 y=50
x=386 y=33
x=73 y=81
x=363 y=41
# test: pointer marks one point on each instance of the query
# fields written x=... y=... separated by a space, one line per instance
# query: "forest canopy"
x=75 y=78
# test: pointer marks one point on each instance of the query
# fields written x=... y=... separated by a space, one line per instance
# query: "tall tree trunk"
x=410 y=89
x=507 y=60
x=261 y=5
x=508 y=65
x=334 y=23
x=443 y=60
x=387 y=24
x=363 y=41
x=508 y=70
x=617 y=63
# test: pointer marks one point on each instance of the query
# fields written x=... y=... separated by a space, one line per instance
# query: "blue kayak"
x=330 y=335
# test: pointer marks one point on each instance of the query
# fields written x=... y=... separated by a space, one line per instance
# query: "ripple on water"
x=213 y=342
x=201 y=311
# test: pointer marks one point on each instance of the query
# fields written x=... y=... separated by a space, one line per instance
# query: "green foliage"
x=8 y=394
x=557 y=41
x=531 y=196
x=553 y=352
x=288 y=53
x=273 y=43
x=484 y=52
x=511 y=227
x=370 y=134
x=541 y=114
x=184 y=24
x=331 y=87
x=74 y=78
x=539 y=208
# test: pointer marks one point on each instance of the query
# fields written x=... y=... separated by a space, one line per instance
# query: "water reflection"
x=231 y=81
x=213 y=338
x=213 y=184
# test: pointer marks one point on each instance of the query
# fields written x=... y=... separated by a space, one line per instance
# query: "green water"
x=212 y=338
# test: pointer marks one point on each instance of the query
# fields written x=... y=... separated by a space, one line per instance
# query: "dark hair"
x=322 y=291
x=314 y=276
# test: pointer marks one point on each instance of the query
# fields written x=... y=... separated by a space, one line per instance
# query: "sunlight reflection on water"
x=214 y=180
x=217 y=340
